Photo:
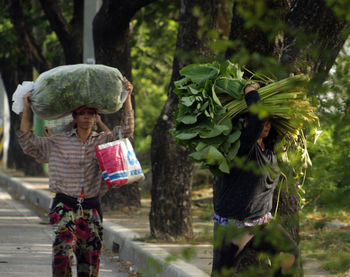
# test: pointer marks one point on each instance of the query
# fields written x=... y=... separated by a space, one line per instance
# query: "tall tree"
x=170 y=215
x=112 y=42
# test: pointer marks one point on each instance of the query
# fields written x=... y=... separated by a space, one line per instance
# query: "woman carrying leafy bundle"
x=242 y=212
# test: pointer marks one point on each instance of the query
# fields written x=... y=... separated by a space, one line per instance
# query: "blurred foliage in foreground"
x=152 y=57
x=331 y=154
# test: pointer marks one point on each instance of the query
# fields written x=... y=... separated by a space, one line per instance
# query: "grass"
x=328 y=245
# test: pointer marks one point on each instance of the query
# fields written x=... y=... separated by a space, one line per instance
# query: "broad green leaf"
x=217 y=130
x=199 y=73
x=204 y=106
x=234 y=150
x=187 y=119
x=224 y=167
x=224 y=68
x=200 y=146
x=235 y=70
x=207 y=86
x=215 y=98
x=186 y=136
x=197 y=156
x=181 y=83
x=209 y=154
x=211 y=106
x=232 y=87
x=187 y=101
x=180 y=91
x=227 y=122
x=234 y=136
x=212 y=155
x=193 y=90
x=205 y=94
x=199 y=98
x=215 y=141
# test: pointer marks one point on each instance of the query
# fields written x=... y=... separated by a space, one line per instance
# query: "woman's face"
x=85 y=119
x=267 y=128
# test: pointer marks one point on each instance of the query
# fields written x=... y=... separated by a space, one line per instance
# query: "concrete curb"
x=117 y=237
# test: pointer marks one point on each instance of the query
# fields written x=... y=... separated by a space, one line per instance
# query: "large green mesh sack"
x=59 y=91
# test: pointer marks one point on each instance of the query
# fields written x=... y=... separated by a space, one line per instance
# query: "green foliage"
x=331 y=155
x=340 y=8
x=53 y=50
x=11 y=44
x=154 y=38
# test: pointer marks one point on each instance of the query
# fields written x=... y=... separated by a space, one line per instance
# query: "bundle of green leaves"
x=210 y=115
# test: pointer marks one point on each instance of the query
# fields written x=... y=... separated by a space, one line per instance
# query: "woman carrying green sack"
x=76 y=181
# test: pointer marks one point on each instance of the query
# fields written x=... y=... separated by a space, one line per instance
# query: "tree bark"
x=111 y=31
x=170 y=215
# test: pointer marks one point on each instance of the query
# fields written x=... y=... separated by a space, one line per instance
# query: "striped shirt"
x=72 y=164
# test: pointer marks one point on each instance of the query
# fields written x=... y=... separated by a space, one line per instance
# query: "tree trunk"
x=111 y=33
x=12 y=76
x=170 y=215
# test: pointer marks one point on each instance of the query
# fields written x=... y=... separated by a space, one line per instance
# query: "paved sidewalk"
x=122 y=233
x=26 y=244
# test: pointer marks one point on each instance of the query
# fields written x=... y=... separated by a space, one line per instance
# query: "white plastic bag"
x=118 y=163
x=17 y=97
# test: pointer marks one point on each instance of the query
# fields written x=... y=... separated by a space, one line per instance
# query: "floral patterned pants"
x=76 y=232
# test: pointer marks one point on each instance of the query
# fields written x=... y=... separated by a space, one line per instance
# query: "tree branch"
x=68 y=33
x=125 y=9
x=323 y=32
x=57 y=21
x=25 y=36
